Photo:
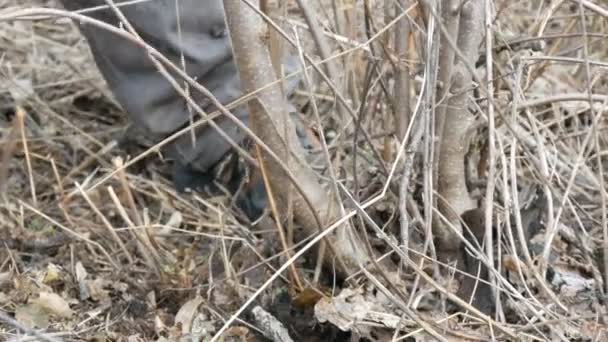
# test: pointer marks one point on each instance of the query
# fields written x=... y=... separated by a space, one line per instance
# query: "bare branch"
x=269 y=120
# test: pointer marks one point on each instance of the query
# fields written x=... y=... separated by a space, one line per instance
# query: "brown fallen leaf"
x=186 y=314
x=307 y=298
x=52 y=275
x=54 y=304
x=513 y=264
x=32 y=316
x=97 y=289
x=355 y=310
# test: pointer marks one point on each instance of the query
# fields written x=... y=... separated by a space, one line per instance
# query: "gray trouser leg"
x=198 y=33
x=149 y=99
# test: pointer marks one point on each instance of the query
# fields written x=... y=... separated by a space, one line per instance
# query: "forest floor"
x=90 y=251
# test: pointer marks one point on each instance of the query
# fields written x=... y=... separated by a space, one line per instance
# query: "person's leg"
x=149 y=99
x=154 y=107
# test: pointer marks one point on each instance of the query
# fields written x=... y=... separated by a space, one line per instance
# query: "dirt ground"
x=91 y=253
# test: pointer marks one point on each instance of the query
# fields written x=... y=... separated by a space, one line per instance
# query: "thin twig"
x=275 y=211
x=7 y=153
x=106 y=223
x=20 y=118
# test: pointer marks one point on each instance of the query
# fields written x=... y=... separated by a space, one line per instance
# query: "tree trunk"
x=270 y=122
x=466 y=23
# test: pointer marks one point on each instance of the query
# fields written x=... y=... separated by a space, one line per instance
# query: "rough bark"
x=402 y=73
x=455 y=116
x=269 y=120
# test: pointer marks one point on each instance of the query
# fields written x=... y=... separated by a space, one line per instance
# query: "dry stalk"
x=559 y=152
x=491 y=184
x=71 y=233
x=595 y=129
x=89 y=160
x=106 y=223
x=323 y=48
x=122 y=177
x=7 y=153
x=228 y=269
x=60 y=188
x=275 y=212
x=268 y=115
x=147 y=237
x=20 y=120
x=463 y=304
x=325 y=149
x=313 y=242
x=520 y=229
x=401 y=94
x=143 y=244
x=402 y=86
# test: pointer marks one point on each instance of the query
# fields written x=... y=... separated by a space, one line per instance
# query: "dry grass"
x=132 y=258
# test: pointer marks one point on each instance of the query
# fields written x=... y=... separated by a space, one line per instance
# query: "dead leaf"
x=97 y=289
x=202 y=326
x=21 y=89
x=572 y=284
x=175 y=221
x=186 y=314
x=5 y=278
x=54 y=304
x=237 y=334
x=81 y=275
x=81 y=272
x=159 y=325
x=307 y=298
x=350 y=308
x=24 y=287
x=32 y=316
x=52 y=275
x=513 y=264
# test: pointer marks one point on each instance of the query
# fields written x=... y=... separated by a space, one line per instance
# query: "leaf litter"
x=204 y=262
